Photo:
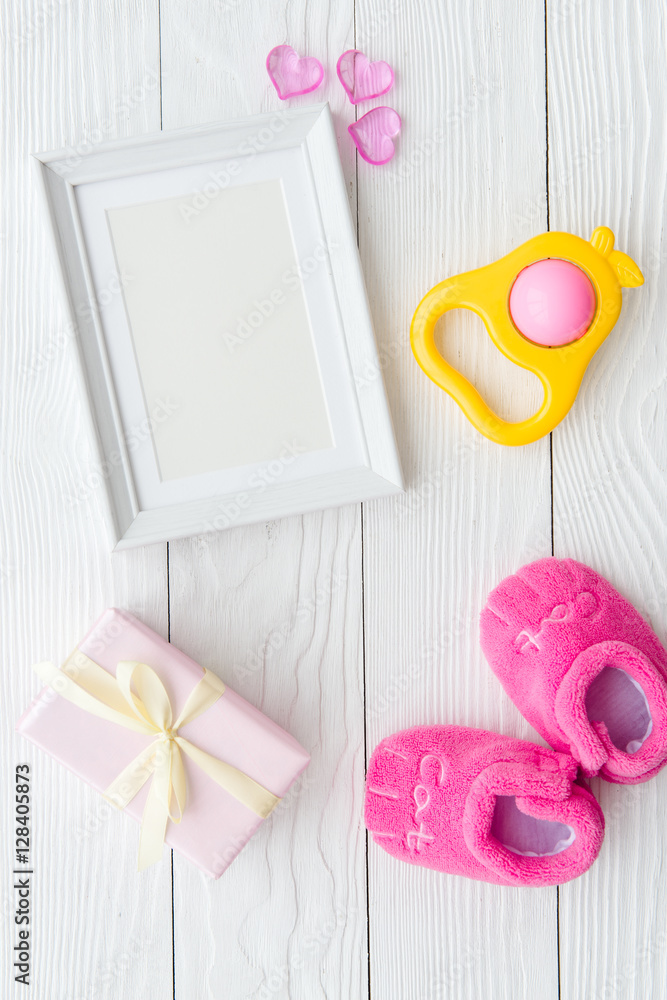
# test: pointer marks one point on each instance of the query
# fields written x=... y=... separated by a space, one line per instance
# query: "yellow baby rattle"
x=548 y=305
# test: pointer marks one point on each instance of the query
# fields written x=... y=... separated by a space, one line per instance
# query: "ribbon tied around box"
x=148 y=711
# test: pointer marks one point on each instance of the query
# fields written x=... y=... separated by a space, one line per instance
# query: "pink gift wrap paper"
x=215 y=825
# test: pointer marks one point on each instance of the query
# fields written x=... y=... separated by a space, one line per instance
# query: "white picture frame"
x=294 y=417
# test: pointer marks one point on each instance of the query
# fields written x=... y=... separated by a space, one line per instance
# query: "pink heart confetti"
x=363 y=80
x=374 y=133
x=292 y=75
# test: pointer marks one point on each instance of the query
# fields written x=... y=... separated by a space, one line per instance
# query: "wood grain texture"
x=283 y=626
x=276 y=610
x=608 y=164
x=453 y=199
x=69 y=70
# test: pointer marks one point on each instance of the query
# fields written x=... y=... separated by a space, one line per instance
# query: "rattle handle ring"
x=451 y=294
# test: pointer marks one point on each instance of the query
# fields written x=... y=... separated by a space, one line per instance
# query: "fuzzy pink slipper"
x=469 y=802
x=583 y=667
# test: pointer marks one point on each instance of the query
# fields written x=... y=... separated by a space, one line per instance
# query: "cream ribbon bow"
x=92 y=688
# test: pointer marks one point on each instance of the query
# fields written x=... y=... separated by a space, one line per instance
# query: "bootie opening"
x=526 y=835
x=616 y=699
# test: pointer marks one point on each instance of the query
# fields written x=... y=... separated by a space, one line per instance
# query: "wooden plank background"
x=349 y=624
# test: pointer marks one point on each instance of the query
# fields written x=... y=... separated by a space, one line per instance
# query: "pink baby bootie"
x=470 y=802
x=582 y=666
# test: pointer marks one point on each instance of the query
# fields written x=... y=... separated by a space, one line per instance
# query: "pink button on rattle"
x=552 y=302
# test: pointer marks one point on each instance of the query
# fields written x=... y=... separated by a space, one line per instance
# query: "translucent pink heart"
x=374 y=134
x=292 y=74
x=363 y=80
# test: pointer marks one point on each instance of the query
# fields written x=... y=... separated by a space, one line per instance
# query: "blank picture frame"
x=214 y=326
x=223 y=325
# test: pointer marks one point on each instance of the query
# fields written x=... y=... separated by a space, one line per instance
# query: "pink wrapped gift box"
x=215 y=825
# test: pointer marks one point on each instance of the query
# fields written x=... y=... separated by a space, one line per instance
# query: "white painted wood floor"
x=347 y=625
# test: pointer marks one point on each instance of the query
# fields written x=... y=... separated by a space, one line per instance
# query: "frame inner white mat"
x=219 y=324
